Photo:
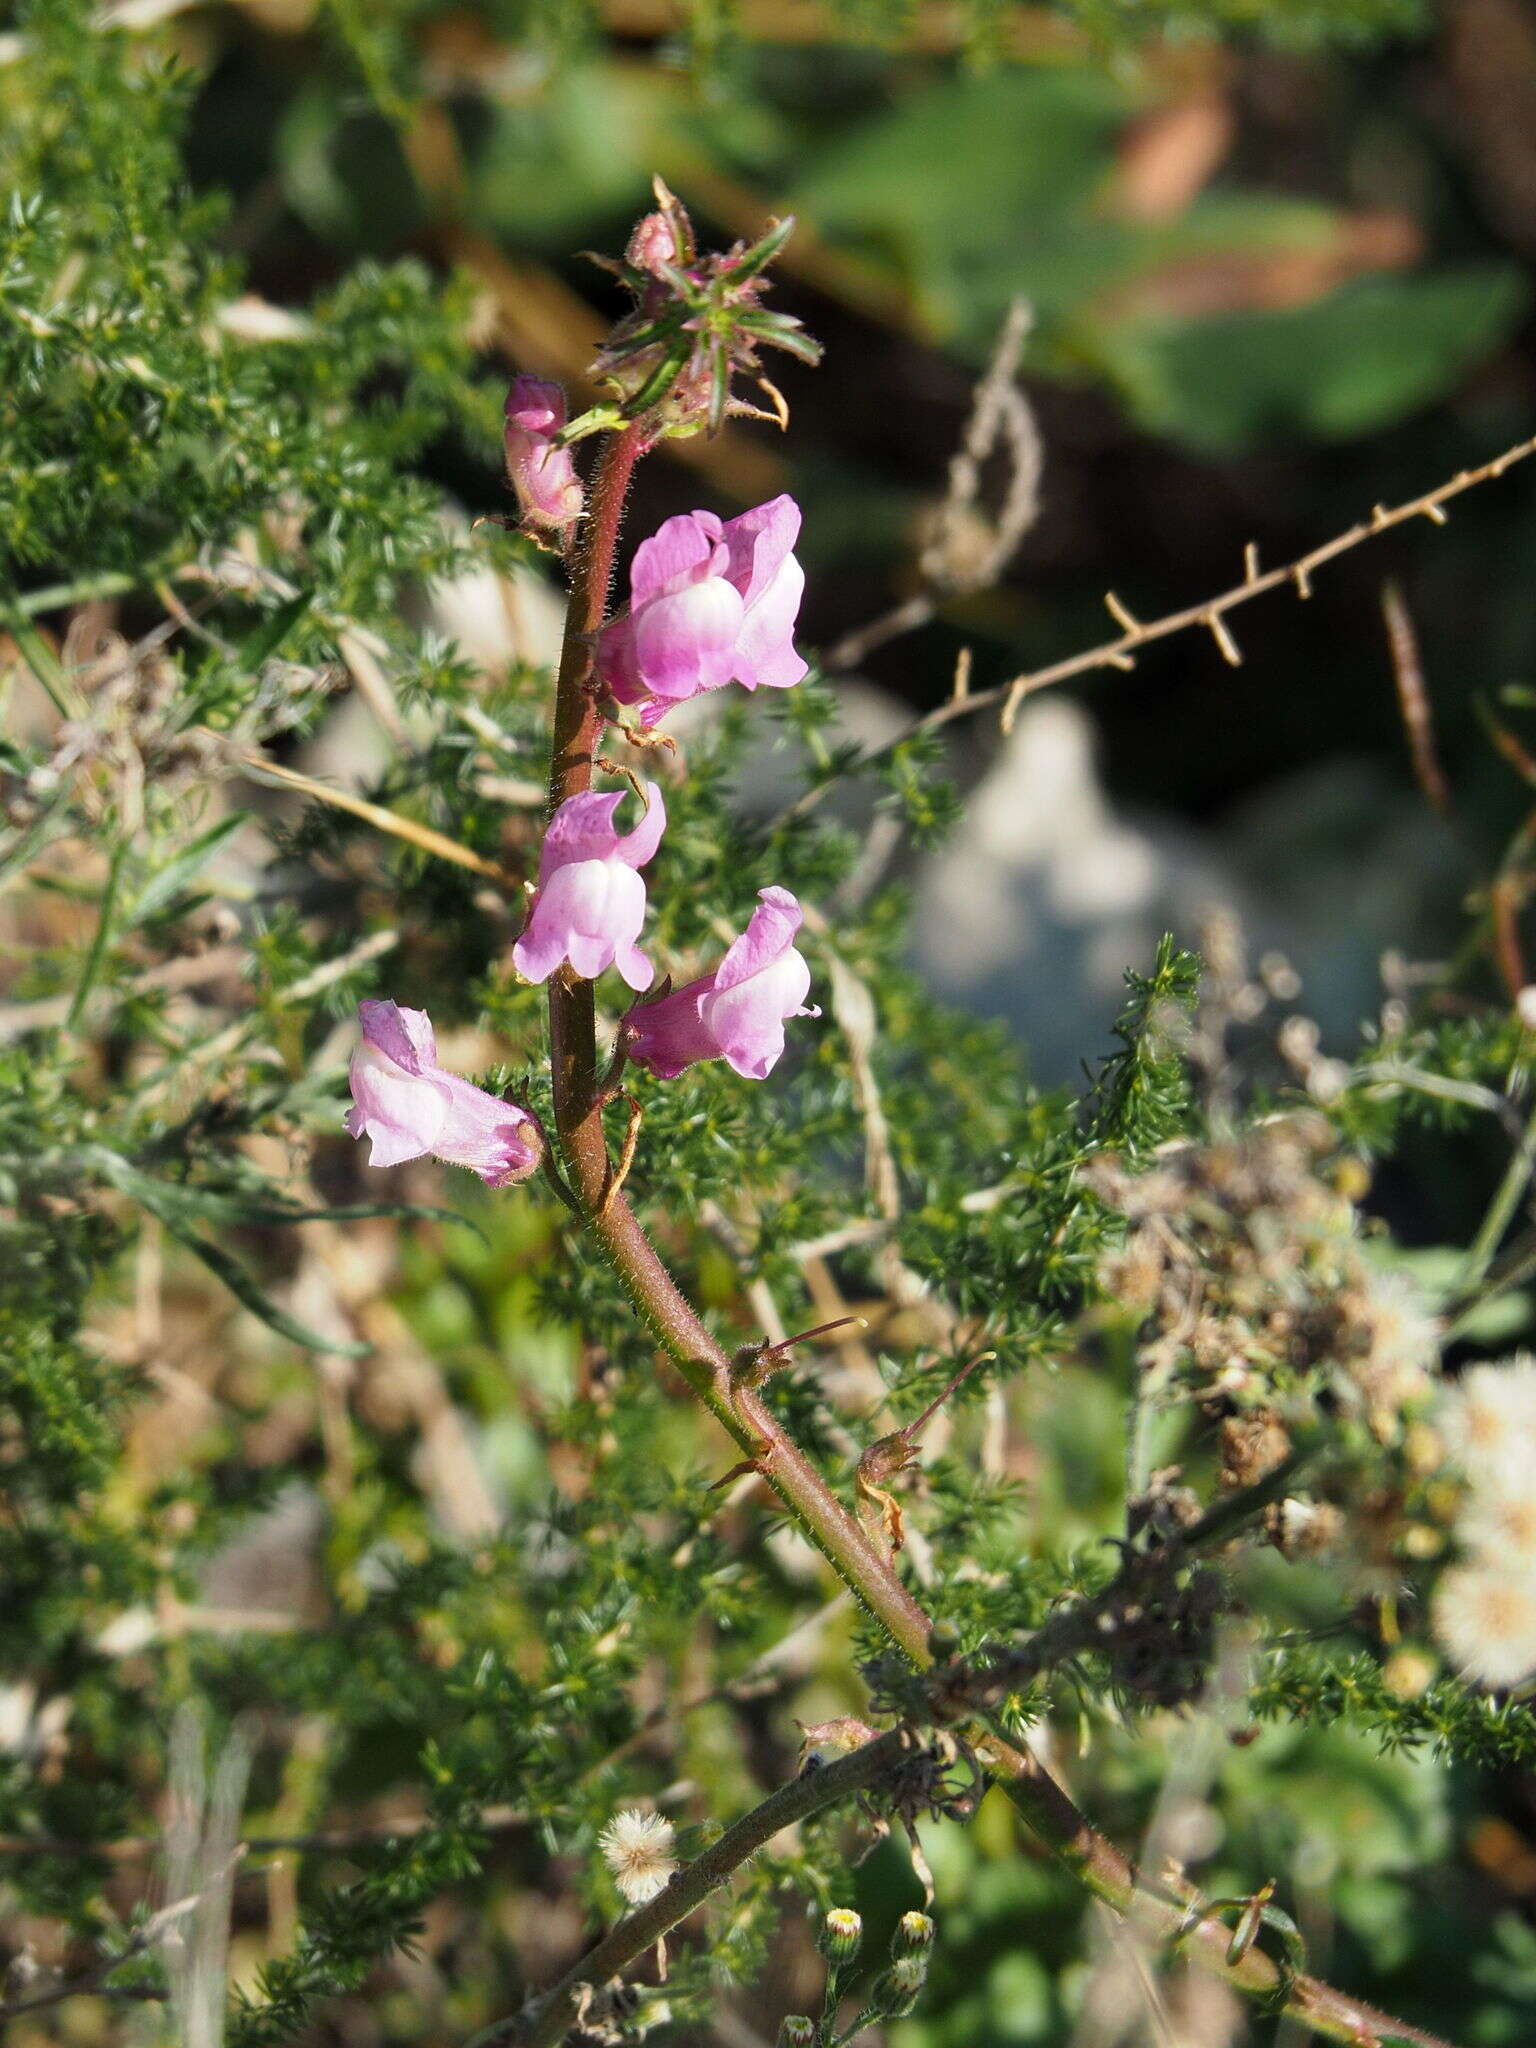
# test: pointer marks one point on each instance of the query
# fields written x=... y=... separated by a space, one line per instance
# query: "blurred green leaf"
x=1353 y=361
x=907 y=185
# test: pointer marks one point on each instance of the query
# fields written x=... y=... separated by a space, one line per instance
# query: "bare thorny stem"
x=1120 y=652
x=1047 y=1811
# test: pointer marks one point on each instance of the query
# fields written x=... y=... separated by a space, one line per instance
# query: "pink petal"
x=747 y=1020
x=404 y=1036
x=637 y=847
x=768 y=936
x=581 y=830
x=675 y=555
x=494 y=1139
x=633 y=966
x=758 y=542
x=765 y=647
x=687 y=642
x=401 y=1113
x=544 y=477
x=548 y=488
x=584 y=913
x=616 y=664
x=535 y=406
x=671 y=1035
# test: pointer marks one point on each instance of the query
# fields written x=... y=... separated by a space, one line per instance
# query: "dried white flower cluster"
x=1485 y=1606
x=1246 y=1261
x=637 y=1847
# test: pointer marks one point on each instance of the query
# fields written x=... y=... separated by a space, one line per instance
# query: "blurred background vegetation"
x=1279 y=259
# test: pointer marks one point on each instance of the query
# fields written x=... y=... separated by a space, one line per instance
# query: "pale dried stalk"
x=1413 y=698
x=956 y=557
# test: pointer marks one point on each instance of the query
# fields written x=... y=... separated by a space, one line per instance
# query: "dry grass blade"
x=259 y=769
x=1413 y=698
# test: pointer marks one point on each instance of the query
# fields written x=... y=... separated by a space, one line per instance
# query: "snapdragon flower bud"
x=543 y=474
x=841 y=1933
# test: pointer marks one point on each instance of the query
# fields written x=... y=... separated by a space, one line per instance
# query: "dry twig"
x=1121 y=651
x=968 y=549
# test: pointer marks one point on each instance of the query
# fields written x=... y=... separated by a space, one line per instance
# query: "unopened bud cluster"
x=698 y=323
x=897 y=1988
x=841 y=1933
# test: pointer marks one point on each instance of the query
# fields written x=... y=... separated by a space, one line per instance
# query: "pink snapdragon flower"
x=710 y=603
x=549 y=492
x=590 y=902
x=736 y=1014
x=410 y=1106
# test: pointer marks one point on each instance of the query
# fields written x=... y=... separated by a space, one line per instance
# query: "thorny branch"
x=1121 y=651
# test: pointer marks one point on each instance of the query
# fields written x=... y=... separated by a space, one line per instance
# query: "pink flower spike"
x=710 y=604
x=549 y=492
x=736 y=1014
x=590 y=902
x=409 y=1106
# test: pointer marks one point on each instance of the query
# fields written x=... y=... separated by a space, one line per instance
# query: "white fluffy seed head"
x=1485 y=1616
x=1405 y=1341
x=1488 y=1419
x=1499 y=1525
x=637 y=1847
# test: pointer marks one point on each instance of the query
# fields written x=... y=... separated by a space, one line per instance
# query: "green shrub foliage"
x=381 y=1479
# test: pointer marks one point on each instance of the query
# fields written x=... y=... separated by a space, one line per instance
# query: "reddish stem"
x=1047 y=1810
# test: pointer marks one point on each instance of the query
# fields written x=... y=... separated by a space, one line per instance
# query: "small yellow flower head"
x=637 y=1847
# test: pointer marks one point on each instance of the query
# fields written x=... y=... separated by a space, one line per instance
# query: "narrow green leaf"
x=657 y=385
x=44 y=664
x=272 y=630
x=763 y=252
x=94 y=957
x=249 y=1295
x=49 y=824
x=194 y=1204
x=163 y=888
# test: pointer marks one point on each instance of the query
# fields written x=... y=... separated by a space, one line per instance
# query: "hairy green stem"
x=1045 y=1807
